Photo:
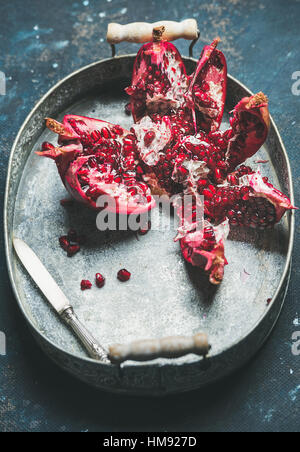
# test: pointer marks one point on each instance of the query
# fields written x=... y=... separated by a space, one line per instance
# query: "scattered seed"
x=72 y=250
x=64 y=242
x=100 y=280
x=124 y=275
x=85 y=284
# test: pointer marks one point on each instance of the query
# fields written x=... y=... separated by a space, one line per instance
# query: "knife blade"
x=57 y=299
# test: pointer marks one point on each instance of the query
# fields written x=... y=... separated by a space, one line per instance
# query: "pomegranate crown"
x=257 y=100
x=216 y=42
x=158 y=33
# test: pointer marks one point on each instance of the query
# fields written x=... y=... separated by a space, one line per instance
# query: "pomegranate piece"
x=98 y=158
x=202 y=244
x=100 y=280
x=205 y=249
x=208 y=87
x=159 y=79
x=250 y=126
x=160 y=85
x=124 y=275
x=85 y=284
x=249 y=200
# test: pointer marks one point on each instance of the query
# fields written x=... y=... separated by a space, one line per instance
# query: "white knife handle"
x=169 y=347
x=140 y=32
x=92 y=346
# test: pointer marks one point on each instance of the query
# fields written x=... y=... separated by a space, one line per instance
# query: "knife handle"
x=92 y=346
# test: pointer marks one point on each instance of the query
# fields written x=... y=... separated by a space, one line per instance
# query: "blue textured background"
x=40 y=43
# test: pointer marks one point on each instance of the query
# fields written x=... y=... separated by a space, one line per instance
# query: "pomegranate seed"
x=124 y=275
x=47 y=146
x=64 y=242
x=106 y=133
x=202 y=183
x=72 y=250
x=139 y=170
x=149 y=137
x=85 y=284
x=118 y=130
x=100 y=280
x=208 y=194
x=94 y=135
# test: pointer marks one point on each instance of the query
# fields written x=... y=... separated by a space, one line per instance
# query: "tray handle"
x=170 y=347
x=141 y=32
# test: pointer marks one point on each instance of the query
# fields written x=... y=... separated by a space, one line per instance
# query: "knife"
x=58 y=300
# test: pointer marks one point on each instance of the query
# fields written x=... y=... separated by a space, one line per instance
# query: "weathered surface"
x=39 y=47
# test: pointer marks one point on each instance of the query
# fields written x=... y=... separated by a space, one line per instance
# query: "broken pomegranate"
x=174 y=147
x=98 y=158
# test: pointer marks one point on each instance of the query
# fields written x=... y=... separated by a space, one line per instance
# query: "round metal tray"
x=165 y=295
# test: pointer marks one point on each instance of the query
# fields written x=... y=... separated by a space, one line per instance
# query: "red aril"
x=100 y=280
x=85 y=284
x=124 y=275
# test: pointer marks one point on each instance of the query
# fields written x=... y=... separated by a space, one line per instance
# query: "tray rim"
x=8 y=236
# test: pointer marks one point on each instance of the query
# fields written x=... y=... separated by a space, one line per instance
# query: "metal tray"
x=165 y=296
